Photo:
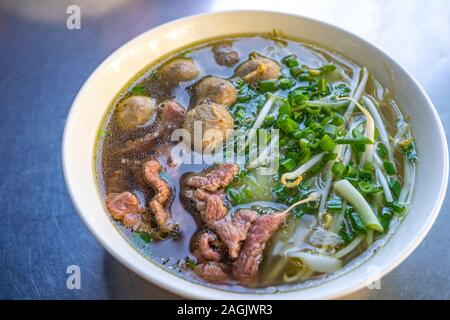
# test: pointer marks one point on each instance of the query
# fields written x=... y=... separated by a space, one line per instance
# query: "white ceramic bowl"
x=110 y=77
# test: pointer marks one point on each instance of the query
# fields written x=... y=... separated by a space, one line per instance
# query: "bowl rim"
x=179 y=289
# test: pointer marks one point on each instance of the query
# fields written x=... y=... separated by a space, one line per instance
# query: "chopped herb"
x=290 y=61
x=329 y=68
x=286 y=84
x=335 y=203
x=146 y=237
x=102 y=133
x=339 y=170
x=354 y=141
x=395 y=186
x=326 y=143
x=190 y=263
x=138 y=90
x=389 y=167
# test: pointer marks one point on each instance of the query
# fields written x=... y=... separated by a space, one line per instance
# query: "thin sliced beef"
x=212 y=271
x=204 y=190
x=133 y=220
x=125 y=207
x=152 y=170
x=210 y=205
x=206 y=246
x=233 y=229
x=170 y=117
x=158 y=205
x=246 y=267
x=214 y=178
x=206 y=250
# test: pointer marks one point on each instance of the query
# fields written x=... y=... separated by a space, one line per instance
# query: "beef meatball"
x=225 y=55
x=214 y=89
x=178 y=70
x=258 y=68
x=215 y=122
x=135 y=111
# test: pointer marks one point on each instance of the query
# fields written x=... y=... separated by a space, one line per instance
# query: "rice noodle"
x=303 y=168
x=259 y=120
x=264 y=155
x=401 y=130
x=302 y=274
x=370 y=131
x=339 y=219
x=383 y=181
x=325 y=191
x=396 y=109
x=358 y=93
x=369 y=238
x=408 y=185
x=356 y=70
x=384 y=136
x=327 y=185
x=352 y=246
x=317 y=261
x=345 y=151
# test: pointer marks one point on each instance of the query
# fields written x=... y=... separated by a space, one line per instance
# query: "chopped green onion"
x=290 y=61
x=334 y=203
x=326 y=143
x=354 y=141
x=356 y=222
x=329 y=68
x=349 y=193
x=330 y=130
x=382 y=151
x=268 y=86
x=397 y=207
x=322 y=86
x=389 y=167
x=297 y=97
x=138 y=90
x=286 y=84
x=287 y=124
x=367 y=188
x=326 y=104
x=304 y=155
x=296 y=71
x=395 y=186
x=314 y=72
x=288 y=163
x=338 y=170
x=313 y=110
x=385 y=217
x=285 y=109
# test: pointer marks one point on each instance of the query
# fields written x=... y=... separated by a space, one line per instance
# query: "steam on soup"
x=340 y=153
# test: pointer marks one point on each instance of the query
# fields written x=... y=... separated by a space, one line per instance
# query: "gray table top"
x=42 y=66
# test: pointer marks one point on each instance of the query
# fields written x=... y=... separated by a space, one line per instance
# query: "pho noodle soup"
x=319 y=193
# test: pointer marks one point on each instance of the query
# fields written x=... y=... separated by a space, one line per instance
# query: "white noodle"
x=408 y=185
x=259 y=120
x=352 y=246
x=412 y=182
x=264 y=155
x=379 y=123
x=303 y=168
x=382 y=180
x=358 y=92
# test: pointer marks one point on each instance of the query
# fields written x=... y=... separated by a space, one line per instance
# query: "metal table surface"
x=42 y=66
